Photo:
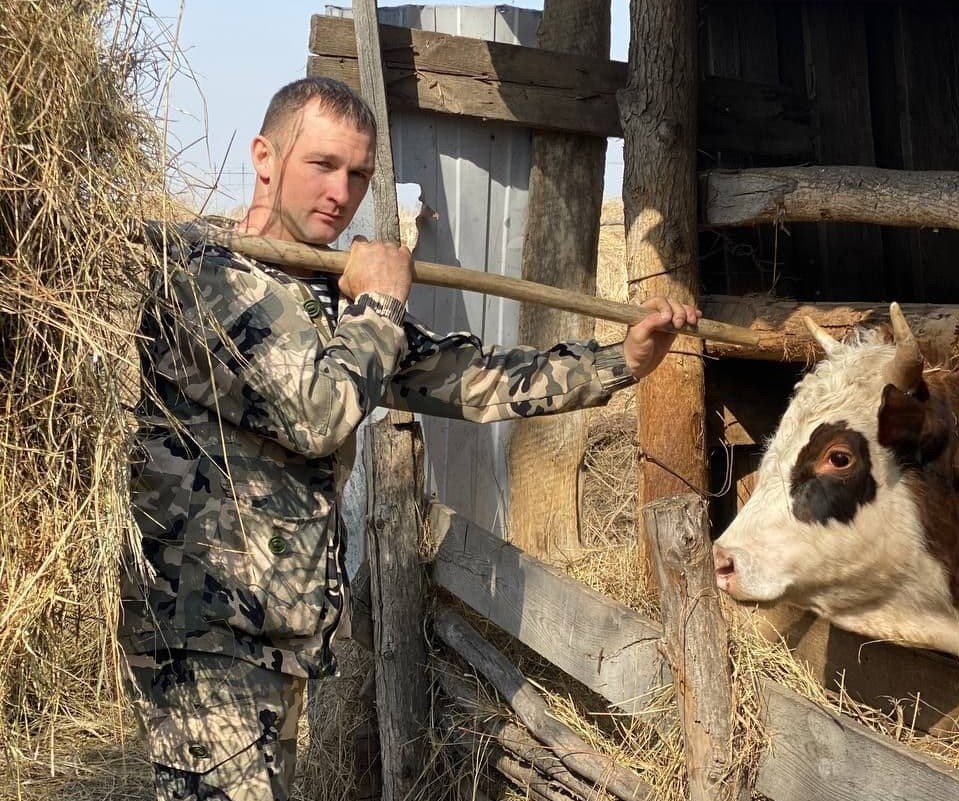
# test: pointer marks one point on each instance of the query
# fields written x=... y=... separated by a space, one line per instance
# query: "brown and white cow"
x=855 y=513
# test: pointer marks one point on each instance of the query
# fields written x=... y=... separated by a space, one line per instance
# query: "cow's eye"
x=840 y=459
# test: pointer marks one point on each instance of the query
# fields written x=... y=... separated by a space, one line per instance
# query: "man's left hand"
x=646 y=345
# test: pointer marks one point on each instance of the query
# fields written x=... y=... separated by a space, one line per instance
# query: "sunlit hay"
x=77 y=161
x=326 y=763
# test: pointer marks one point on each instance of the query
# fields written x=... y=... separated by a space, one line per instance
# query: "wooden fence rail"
x=812 y=753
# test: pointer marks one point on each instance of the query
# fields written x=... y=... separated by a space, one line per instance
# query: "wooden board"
x=597 y=641
x=535 y=88
x=924 y=685
x=814 y=755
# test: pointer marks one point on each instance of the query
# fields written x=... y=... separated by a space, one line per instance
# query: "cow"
x=855 y=512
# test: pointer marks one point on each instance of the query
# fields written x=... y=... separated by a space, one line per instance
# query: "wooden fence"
x=812 y=752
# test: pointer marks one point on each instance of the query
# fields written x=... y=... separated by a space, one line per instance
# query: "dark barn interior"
x=870 y=84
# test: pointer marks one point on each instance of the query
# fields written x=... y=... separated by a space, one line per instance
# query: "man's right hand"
x=377 y=267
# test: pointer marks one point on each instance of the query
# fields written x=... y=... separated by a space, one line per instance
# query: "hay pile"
x=77 y=163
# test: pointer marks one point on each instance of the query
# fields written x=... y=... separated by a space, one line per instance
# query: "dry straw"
x=77 y=163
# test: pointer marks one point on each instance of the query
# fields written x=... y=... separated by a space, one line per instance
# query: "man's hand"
x=377 y=267
x=645 y=346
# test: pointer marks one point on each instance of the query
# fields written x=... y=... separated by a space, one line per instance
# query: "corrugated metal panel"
x=475 y=177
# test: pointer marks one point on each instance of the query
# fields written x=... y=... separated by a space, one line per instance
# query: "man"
x=254 y=384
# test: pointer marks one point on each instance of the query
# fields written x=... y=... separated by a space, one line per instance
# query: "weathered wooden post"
x=559 y=249
x=394 y=465
x=658 y=113
x=696 y=642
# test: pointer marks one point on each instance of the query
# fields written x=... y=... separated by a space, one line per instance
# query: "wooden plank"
x=602 y=770
x=888 y=99
x=551 y=91
x=597 y=641
x=742 y=45
x=696 y=643
x=472 y=77
x=814 y=755
x=920 y=686
x=850 y=194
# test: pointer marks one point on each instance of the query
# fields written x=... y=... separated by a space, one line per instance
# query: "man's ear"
x=910 y=427
x=263 y=156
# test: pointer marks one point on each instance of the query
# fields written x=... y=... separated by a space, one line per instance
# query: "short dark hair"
x=334 y=96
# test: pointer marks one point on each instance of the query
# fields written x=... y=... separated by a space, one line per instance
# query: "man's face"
x=320 y=174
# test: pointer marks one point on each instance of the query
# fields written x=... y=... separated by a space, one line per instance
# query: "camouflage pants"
x=217 y=728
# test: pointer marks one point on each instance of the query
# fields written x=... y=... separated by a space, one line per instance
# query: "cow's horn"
x=826 y=340
x=905 y=370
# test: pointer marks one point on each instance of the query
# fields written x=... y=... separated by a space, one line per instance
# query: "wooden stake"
x=394 y=478
x=696 y=642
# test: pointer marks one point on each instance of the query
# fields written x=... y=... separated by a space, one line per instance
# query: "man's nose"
x=338 y=187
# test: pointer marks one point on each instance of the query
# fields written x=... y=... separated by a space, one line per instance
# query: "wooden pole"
x=658 y=110
x=385 y=212
x=559 y=249
x=696 y=642
x=296 y=254
x=838 y=194
x=394 y=480
x=532 y=710
x=782 y=334
x=393 y=460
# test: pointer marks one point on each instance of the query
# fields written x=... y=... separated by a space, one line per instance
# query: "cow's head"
x=833 y=523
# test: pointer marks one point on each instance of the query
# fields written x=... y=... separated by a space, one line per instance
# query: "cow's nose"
x=723 y=561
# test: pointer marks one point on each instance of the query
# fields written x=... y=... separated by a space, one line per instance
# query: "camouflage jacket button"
x=198 y=751
x=277 y=545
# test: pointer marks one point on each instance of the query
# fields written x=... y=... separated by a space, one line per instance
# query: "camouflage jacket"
x=246 y=434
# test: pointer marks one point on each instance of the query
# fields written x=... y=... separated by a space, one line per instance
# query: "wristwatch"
x=384 y=305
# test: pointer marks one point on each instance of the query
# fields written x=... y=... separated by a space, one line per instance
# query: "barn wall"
x=883 y=83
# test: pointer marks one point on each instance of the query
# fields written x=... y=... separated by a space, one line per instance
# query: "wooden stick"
x=514 y=738
x=295 y=254
x=574 y=752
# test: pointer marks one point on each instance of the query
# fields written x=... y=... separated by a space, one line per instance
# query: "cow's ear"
x=910 y=428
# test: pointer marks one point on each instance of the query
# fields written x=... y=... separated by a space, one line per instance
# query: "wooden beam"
x=783 y=335
x=696 y=643
x=926 y=199
x=599 y=642
x=473 y=77
x=395 y=478
x=814 y=755
x=548 y=90
x=560 y=245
